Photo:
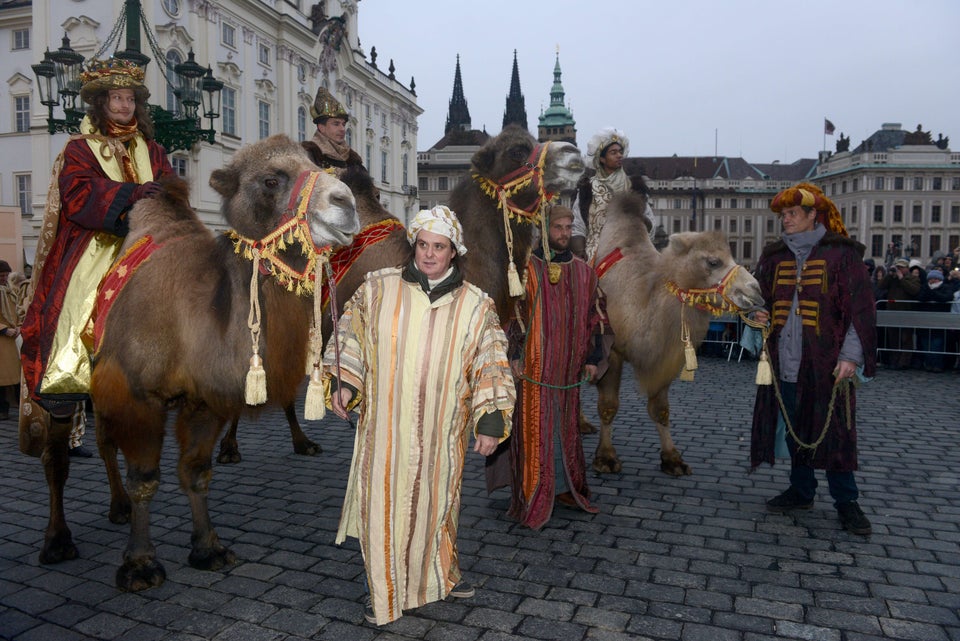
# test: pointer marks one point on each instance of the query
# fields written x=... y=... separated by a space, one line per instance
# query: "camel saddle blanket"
x=113 y=282
x=343 y=258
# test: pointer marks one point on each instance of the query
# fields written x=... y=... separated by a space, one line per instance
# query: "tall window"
x=717 y=203
x=423 y=183
x=442 y=184
x=173 y=59
x=748 y=226
x=898 y=213
x=349 y=138
x=876 y=245
x=878 y=183
x=733 y=203
x=24 y=192
x=733 y=225
x=955 y=183
x=918 y=183
x=769 y=225
x=747 y=249
x=228 y=105
x=748 y=203
x=21 y=39
x=263 y=118
x=368 y=156
x=918 y=213
x=955 y=214
x=228 y=35
x=263 y=54
x=878 y=213
x=937 y=183
x=898 y=183
x=406 y=162
x=853 y=214
x=954 y=241
x=383 y=168
x=718 y=224
x=935 y=214
x=179 y=164
x=934 y=244
x=301 y=124
x=856 y=182
x=21 y=110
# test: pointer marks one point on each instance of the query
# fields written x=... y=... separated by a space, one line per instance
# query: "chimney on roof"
x=892 y=126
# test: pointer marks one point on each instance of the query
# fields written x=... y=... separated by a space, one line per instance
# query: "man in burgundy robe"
x=543 y=460
x=820 y=301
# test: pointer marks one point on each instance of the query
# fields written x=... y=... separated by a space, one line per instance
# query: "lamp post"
x=58 y=80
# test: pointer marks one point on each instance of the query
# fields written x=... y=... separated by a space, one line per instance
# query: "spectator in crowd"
x=936 y=297
x=879 y=273
x=901 y=287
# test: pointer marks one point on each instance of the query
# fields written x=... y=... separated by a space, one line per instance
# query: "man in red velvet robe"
x=820 y=301
x=100 y=174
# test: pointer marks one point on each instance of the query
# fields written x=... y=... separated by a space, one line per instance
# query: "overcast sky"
x=755 y=78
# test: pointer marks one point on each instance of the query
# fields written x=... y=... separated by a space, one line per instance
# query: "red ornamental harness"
x=529 y=173
x=343 y=258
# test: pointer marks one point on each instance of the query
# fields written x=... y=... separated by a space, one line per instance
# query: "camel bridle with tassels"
x=268 y=260
x=530 y=173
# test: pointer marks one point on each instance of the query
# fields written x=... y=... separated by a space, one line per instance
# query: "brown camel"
x=513 y=151
x=176 y=338
x=382 y=242
x=648 y=318
x=485 y=263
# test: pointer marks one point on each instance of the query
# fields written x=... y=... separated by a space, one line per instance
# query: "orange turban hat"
x=809 y=195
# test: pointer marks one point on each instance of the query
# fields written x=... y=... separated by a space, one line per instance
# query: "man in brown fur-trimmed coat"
x=820 y=300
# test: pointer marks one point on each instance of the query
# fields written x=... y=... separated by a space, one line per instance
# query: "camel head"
x=702 y=260
x=258 y=188
x=512 y=149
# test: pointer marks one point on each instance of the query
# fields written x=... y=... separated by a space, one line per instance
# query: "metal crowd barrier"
x=920 y=329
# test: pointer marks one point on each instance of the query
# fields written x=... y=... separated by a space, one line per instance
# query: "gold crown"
x=326 y=106
x=113 y=73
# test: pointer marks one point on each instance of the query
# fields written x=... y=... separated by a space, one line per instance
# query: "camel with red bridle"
x=659 y=306
x=202 y=326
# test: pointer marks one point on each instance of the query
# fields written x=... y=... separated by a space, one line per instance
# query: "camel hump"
x=629 y=205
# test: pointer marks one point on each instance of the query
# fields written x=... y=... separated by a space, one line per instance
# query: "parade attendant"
x=423 y=358
x=554 y=347
x=820 y=301
x=328 y=148
x=101 y=173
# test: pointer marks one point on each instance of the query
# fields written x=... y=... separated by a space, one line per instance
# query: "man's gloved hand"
x=146 y=190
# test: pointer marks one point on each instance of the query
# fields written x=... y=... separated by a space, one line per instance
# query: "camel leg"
x=301 y=444
x=658 y=407
x=197 y=430
x=119 y=499
x=229 y=449
x=138 y=431
x=57 y=541
x=605 y=460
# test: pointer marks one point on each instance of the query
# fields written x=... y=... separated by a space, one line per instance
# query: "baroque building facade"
x=272 y=55
x=898 y=192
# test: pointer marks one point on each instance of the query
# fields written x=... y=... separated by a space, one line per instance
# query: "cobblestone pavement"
x=695 y=558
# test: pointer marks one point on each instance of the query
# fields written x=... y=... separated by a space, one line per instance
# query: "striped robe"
x=560 y=321
x=425 y=373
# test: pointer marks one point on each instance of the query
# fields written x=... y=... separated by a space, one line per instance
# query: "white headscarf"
x=603 y=139
x=439 y=220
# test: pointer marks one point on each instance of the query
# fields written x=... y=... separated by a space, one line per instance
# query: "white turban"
x=603 y=139
x=439 y=220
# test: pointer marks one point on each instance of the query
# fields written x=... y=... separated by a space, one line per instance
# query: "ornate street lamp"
x=194 y=85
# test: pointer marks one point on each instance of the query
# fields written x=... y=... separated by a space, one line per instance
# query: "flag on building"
x=828 y=127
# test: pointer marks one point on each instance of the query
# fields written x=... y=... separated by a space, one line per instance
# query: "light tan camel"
x=648 y=318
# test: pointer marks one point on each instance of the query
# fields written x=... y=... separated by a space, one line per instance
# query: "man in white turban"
x=423 y=359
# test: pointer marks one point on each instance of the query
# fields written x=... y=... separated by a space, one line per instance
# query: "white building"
x=272 y=55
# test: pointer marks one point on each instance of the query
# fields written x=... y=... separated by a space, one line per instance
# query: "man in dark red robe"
x=560 y=348
x=100 y=174
x=820 y=300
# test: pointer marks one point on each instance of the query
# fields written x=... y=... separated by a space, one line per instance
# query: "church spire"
x=458 y=117
x=516 y=112
x=557 y=123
